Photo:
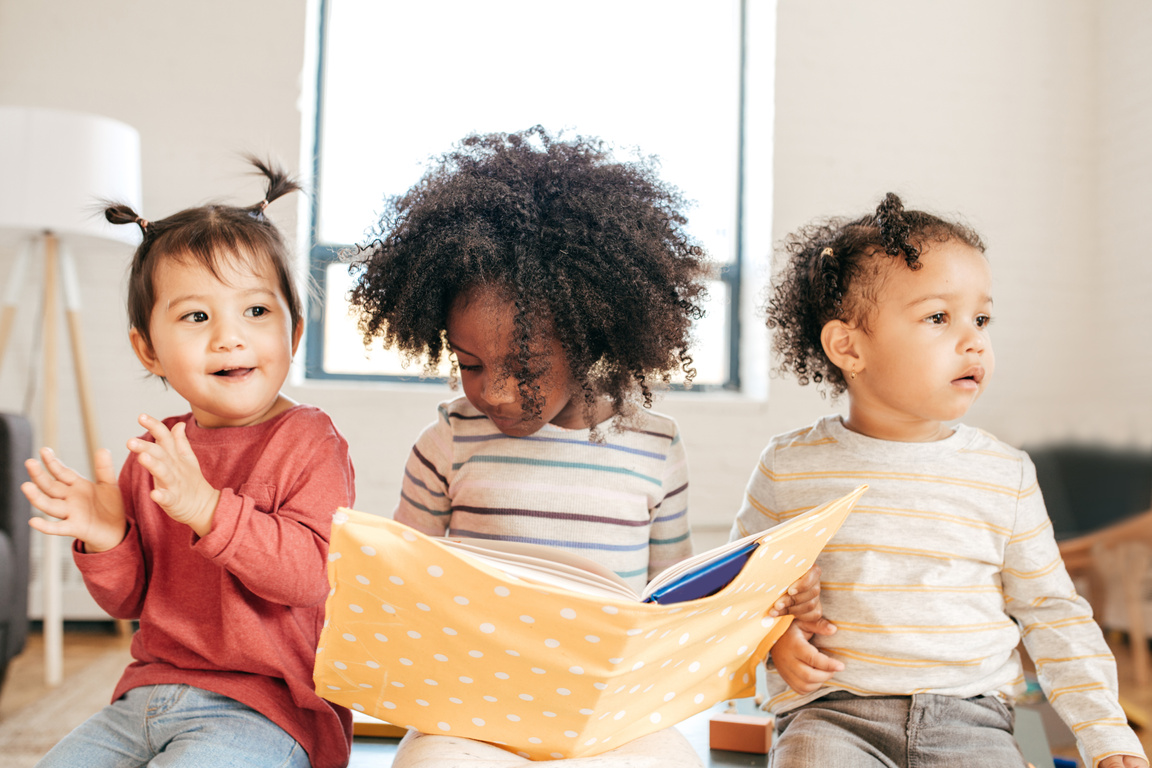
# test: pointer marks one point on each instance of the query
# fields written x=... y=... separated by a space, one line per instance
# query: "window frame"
x=322 y=255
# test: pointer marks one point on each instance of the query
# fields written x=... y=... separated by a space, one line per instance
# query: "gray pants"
x=919 y=731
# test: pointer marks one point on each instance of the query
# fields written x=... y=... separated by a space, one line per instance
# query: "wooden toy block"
x=740 y=733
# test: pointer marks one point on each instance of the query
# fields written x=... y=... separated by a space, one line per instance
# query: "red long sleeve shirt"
x=239 y=611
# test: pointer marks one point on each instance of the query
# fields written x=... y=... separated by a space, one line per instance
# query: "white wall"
x=1029 y=117
x=1123 y=253
x=202 y=83
x=1018 y=116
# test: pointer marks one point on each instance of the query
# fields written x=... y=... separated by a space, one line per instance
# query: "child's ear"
x=297 y=333
x=144 y=353
x=840 y=344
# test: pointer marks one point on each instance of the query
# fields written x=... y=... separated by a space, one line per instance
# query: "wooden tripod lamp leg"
x=50 y=564
x=79 y=355
x=80 y=367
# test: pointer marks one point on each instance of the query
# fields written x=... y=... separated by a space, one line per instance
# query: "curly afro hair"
x=833 y=271
x=589 y=247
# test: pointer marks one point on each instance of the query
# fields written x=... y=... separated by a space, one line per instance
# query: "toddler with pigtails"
x=949 y=561
x=216 y=537
x=562 y=286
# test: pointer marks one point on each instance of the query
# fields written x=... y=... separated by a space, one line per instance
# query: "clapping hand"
x=179 y=487
x=92 y=512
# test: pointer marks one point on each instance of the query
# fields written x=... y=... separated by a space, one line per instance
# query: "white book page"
x=550 y=565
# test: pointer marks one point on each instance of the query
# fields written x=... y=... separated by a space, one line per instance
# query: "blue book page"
x=705 y=580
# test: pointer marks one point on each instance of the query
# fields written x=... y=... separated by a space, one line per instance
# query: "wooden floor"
x=25 y=684
x=33 y=716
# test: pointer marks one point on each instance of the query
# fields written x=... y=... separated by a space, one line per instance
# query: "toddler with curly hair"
x=950 y=559
x=562 y=287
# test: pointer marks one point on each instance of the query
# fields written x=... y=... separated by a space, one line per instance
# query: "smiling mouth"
x=232 y=372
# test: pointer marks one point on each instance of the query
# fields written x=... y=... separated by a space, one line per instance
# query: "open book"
x=487 y=643
x=694 y=577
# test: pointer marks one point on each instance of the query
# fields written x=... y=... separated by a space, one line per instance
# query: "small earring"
x=852 y=374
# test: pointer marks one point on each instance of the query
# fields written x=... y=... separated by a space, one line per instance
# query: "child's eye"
x=196 y=317
x=983 y=321
x=256 y=311
x=461 y=366
x=938 y=319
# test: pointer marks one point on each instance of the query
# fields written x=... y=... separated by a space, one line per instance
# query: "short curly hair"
x=591 y=247
x=831 y=274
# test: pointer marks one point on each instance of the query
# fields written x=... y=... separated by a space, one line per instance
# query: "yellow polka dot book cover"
x=536 y=650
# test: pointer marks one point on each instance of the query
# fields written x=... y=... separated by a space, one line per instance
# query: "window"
x=401 y=83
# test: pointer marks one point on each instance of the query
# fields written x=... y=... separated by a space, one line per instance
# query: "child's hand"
x=91 y=512
x=180 y=488
x=800 y=664
x=802 y=600
x=1122 y=761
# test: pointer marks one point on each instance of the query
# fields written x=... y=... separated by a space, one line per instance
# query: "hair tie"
x=143 y=223
x=826 y=253
x=257 y=211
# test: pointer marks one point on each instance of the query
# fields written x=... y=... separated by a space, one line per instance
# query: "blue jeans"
x=176 y=726
x=920 y=731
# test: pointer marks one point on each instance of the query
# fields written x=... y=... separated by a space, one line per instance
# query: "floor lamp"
x=55 y=168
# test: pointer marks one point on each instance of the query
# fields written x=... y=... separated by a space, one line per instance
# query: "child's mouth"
x=504 y=421
x=974 y=375
x=232 y=372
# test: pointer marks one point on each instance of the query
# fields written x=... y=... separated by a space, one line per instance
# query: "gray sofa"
x=15 y=447
x=1090 y=487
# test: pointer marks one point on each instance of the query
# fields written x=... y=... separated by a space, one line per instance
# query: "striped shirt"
x=946 y=563
x=622 y=502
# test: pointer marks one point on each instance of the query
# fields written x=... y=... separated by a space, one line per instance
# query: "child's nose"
x=227 y=336
x=975 y=340
x=499 y=390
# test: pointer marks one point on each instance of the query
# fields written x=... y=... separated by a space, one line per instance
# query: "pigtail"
x=894 y=230
x=280 y=183
x=119 y=213
x=824 y=279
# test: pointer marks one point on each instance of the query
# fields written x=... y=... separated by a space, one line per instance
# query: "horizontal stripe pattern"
x=543 y=515
x=561 y=441
x=622 y=501
x=945 y=565
x=529 y=461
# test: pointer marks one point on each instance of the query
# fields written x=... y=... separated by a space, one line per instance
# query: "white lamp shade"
x=57 y=166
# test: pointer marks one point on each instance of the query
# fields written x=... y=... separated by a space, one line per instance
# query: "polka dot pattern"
x=539 y=670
